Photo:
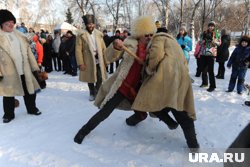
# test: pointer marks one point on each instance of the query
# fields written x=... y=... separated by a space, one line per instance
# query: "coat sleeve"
x=112 y=54
x=189 y=46
x=79 y=51
x=103 y=52
x=154 y=55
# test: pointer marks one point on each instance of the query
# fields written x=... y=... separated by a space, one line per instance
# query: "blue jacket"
x=187 y=42
x=240 y=57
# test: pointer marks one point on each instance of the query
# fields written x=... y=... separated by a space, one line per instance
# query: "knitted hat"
x=211 y=23
x=143 y=25
x=88 y=18
x=183 y=28
x=6 y=15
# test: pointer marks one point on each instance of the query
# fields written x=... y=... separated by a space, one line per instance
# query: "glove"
x=35 y=73
x=183 y=46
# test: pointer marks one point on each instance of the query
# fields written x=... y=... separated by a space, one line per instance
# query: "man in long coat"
x=168 y=85
x=17 y=63
x=90 y=57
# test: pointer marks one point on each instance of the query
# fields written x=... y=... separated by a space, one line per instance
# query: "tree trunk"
x=167 y=14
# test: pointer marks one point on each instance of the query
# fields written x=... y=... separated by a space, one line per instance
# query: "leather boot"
x=84 y=131
x=190 y=136
x=136 y=118
x=164 y=116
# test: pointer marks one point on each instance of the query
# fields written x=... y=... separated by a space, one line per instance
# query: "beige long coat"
x=11 y=85
x=169 y=84
x=85 y=56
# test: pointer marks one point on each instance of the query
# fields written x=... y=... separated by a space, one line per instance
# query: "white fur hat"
x=143 y=25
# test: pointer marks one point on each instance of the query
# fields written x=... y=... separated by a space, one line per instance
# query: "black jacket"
x=222 y=50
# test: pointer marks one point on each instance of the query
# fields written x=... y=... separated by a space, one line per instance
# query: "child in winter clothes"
x=239 y=61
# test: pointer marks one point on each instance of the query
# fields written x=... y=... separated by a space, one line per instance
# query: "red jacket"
x=131 y=84
x=39 y=50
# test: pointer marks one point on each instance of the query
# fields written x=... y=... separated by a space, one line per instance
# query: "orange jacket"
x=39 y=50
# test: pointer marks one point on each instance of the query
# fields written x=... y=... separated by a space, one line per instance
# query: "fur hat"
x=88 y=18
x=6 y=15
x=143 y=25
x=211 y=23
x=245 y=38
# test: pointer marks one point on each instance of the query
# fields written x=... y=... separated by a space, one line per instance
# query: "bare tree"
x=114 y=8
x=127 y=12
x=164 y=8
x=192 y=27
x=208 y=9
x=247 y=6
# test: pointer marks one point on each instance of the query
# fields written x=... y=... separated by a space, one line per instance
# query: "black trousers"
x=111 y=69
x=57 y=62
x=29 y=100
x=102 y=114
x=94 y=87
x=221 y=69
x=208 y=67
x=199 y=68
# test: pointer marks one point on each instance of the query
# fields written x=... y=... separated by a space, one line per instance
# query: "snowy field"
x=47 y=140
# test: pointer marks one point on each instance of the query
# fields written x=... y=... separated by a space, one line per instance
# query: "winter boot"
x=247 y=103
x=221 y=76
x=187 y=125
x=163 y=116
x=190 y=135
x=84 y=131
x=91 y=91
x=136 y=118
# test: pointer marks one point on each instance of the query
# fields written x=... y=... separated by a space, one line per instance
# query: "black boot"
x=187 y=125
x=136 y=118
x=163 y=116
x=220 y=74
x=247 y=103
x=91 y=91
x=84 y=131
x=190 y=135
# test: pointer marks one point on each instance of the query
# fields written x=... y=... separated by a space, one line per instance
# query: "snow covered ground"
x=47 y=140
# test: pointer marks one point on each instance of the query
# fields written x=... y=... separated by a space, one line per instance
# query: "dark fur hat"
x=88 y=18
x=6 y=15
x=245 y=38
